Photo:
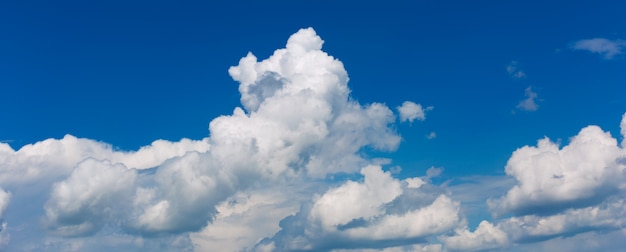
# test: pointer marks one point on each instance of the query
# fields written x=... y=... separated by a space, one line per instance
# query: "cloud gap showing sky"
x=263 y=178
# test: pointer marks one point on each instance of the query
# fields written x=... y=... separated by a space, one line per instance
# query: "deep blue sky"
x=130 y=72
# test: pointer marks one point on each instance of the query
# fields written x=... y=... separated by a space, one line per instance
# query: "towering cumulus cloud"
x=297 y=128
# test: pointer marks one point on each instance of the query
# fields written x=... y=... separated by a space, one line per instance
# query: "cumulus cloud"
x=486 y=236
x=82 y=203
x=559 y=193
x=530 y=103
x=4 y=201
x=303 y=114
x=341 y=205
x=536 y=229
x=514 y=71
x=378 y=212
x=605 y=47
x=409 y=111
x=288 y=171
x=529 y=228
x=272 y=139
x=550 y=178
x=54 y=158
x=44 y=179
x=298 y=126
x=246 y=217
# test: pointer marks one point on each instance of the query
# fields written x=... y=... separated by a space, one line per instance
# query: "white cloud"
x=281 y=174
x=299 y=125
x=5 y=197
x=442 y=215
x=380 y=209
x=300 y=113
x=606 y=216
x=559 y=192
x=275 y=138
x=355 y=200
x=605 y=47
x=4 y=201
x=513 y=70
x=550 y=178
x=530 y=103
x=409 y=111
x=246 y=217
x=4 y=236
x=183 y=195
x=52 y=158
x=85 y=201
x=537 y=228
x=486 y=236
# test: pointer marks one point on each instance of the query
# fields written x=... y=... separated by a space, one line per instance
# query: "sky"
x=312 y=126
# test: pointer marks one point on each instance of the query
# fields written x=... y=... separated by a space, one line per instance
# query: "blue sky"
x=127 y=74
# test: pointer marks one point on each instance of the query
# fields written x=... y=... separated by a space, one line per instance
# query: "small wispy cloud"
x=514 y=70
x=433 y=172
x=431 y=135
x=530 y=103
x=605 y=47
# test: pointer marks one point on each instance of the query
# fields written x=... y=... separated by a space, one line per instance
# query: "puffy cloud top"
x=52 y=158
x=355 y=200
x=550 y=178
x=299 y=110
x=486 y=236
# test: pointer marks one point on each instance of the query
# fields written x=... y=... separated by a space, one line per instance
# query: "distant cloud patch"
x=605 y=47
x=514 y=71
x=431 y=135
x=409 y=111
x=530 y=103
